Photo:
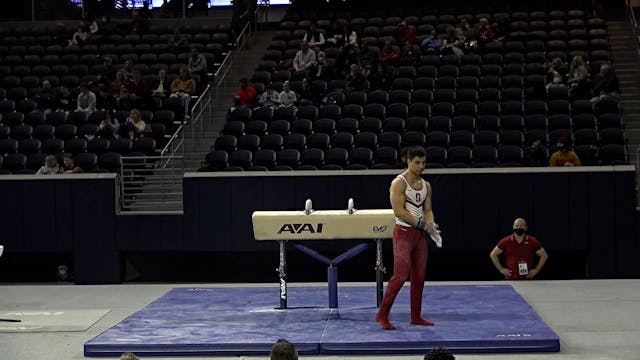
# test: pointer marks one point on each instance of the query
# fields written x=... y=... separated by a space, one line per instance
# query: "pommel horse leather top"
x=323 y=224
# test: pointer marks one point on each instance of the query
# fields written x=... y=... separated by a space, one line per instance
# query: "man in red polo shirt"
x=246 y=93
x=519 y=250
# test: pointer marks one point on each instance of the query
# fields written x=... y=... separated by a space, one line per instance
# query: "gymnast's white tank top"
x=414 y=200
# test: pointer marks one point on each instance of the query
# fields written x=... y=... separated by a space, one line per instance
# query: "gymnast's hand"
x=427 y=227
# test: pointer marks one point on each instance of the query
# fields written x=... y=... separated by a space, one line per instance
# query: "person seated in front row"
x=564 y=156
x=50 y=166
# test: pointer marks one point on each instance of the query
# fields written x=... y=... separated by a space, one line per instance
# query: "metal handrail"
x=221 y=75
x=630 y=13
x=171 y=144
x=199 y=110
x=166 y=171
x=243 y=38
x=634 y=28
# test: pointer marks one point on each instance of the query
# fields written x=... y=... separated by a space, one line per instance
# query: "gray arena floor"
x=595 y=319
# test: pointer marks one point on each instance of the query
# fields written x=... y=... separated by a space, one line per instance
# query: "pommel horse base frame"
x=351 y=224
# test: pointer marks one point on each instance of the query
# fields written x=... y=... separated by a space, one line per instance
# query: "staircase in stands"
x=625 y=63
x=244 y=63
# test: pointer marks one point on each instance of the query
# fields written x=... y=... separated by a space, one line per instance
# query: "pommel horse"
x=308 y=224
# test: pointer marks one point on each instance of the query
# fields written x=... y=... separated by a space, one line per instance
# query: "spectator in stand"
x=322 y=70
x=134 y=127
x=247 y=93
x=537 y=154
x=139 y=24
x=368 y=58
x=314 y=38
x=305 y=59
x=198 y=64
x=606 y=85
x=439 y=354
x=46 y=97
x=308 y=95
x=141 y=91
x=287 y=96
x=519 y=250
x=65 y=101
x=356 y=80
x=405 y=34
x=86 y=99
x=79 y=37
x=50 y=166
x=389 y=55
x=564 y=156
x=106 y=26
x=93 y=25
x=347 y=41
x=283 y=350
x=182 y=88
x=127 y=69
x=236 y=104
x=270 y=97
x=108 y=75
x=465 y=31
x=69 y=165
x=485 y=32
x=432 y=44
x=407 y=56
x=578 y=79
x=177 y=42
x=109 y=126
x=160 y=92
x=128 y=356
x=380 y=79
x=556 y=73
x=457 y=48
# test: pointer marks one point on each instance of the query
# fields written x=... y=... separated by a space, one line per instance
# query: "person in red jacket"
x=519 y=249
x=247 y=93
x=405 y=34
x=389 y=55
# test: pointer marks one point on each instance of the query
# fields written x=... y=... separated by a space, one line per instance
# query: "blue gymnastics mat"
x=245 y=321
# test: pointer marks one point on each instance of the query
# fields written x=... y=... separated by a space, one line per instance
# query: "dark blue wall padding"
x=583 y=210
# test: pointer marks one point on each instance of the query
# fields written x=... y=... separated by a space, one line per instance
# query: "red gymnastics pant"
x=409 y=259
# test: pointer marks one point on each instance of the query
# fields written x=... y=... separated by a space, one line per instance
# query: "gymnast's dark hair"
x=415 y=151
x=439 y=354
x=284 y=350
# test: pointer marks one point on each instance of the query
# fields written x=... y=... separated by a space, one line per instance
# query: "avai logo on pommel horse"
x=300 y=228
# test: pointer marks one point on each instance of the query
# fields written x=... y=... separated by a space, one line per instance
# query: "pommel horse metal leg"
x=282 y=274
x=380 y=271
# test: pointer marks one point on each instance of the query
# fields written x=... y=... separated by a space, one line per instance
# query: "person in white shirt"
x=270 y=97
x=287 y=97
x=305 y=59
x=86 y=99
x=50 y=166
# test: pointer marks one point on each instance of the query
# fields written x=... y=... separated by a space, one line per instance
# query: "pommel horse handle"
x=308 y=207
